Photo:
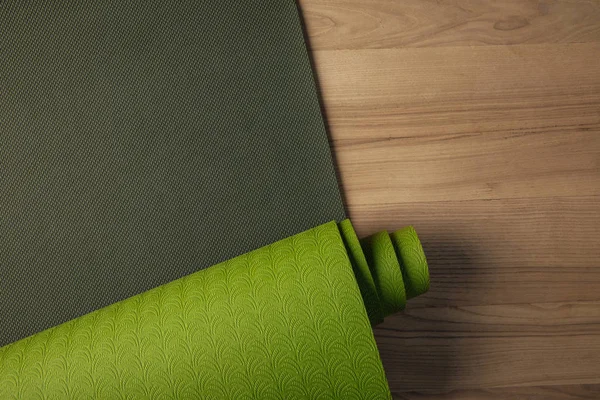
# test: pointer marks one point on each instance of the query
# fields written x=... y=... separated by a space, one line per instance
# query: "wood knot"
x=511 y=23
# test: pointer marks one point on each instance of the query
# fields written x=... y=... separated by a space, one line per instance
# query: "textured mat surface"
x=284 y=321
x=142 y=140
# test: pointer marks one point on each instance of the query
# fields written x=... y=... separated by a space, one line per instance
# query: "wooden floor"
x=479 y=123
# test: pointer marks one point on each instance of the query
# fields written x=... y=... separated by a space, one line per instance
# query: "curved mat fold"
x=288 y=320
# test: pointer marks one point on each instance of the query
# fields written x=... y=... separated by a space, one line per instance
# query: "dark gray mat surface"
x=143 y=140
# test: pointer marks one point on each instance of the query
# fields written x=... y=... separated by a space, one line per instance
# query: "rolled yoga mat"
x=143 y=140
x=291 y=320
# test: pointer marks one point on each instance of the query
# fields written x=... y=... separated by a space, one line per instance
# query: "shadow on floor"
x=423 y=349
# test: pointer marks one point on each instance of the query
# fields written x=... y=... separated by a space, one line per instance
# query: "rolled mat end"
x=415 y=270
x=389 y=268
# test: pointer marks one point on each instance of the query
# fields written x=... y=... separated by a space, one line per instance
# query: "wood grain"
x=354 y=24
x=501 y=251
x=466 y=348
x=399 y=93
x=554 y=392
x=478 y=122
x=531 y=114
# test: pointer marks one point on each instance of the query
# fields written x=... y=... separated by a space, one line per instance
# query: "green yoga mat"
x=289 y=320
x=143 y=140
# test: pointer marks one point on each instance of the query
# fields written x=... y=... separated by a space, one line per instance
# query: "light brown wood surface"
x=479 y=123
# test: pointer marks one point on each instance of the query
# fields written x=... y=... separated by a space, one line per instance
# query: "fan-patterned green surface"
x=414 y=269
x=385 y=269
x=286 y=321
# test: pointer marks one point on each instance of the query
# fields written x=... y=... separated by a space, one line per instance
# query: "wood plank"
x=399 y=93
x=500 y=251
x=355 y=24
x=444 y=364
x=470 y=167
x=495 y=321
x=473 y=350
x=419 y=124
x=554 y=392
